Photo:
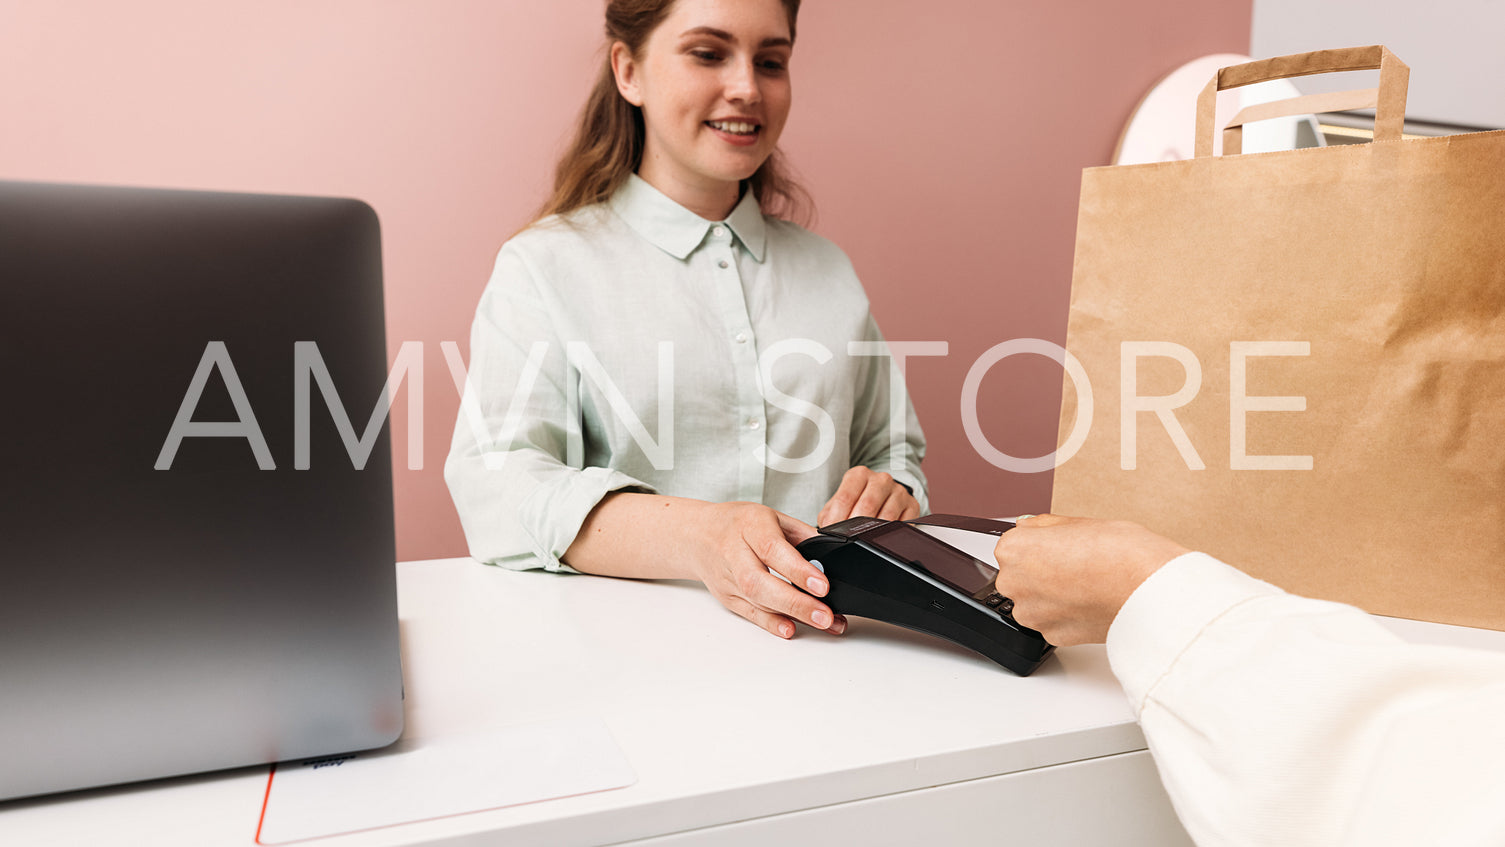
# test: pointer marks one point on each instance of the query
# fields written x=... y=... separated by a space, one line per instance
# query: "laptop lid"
x=197 y=566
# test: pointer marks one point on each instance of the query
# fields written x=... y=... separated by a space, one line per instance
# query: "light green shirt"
x=635 y=345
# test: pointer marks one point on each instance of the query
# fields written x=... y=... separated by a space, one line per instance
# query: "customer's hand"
x=868 y=493
x=1068 y=577
x=740 y=544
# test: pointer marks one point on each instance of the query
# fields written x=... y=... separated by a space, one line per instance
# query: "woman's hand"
x=867 y=493
x=744 y=541
x=731 y=547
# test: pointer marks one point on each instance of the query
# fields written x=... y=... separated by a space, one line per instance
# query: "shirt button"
x=723 y=264
x=719 y=231
x=752 y=423
x=741 y=338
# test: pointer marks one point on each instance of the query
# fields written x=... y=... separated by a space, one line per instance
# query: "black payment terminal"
x=893 y=571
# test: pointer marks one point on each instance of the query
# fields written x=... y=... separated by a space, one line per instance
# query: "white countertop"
x=720 y=720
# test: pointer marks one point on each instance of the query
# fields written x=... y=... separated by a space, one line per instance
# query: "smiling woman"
x=609 y=141
x=714 y=104
x=661 y=289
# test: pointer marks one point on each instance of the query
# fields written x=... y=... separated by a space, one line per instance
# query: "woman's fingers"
x=776 y=624
x=867 y=493
x=760 y=544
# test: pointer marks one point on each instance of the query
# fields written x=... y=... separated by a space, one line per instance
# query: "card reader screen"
x=941 y=560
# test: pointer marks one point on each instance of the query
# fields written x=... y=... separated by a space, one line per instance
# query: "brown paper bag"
x=1296 y=360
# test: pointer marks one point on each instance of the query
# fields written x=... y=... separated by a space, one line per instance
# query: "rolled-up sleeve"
x=520 y=501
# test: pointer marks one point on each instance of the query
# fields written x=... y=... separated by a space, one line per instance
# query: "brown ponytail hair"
x=609 y=137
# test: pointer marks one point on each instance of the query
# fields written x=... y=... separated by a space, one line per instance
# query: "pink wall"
x=943 y=143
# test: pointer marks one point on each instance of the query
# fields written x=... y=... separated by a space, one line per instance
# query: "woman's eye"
x=774 y=65
x=706 y=56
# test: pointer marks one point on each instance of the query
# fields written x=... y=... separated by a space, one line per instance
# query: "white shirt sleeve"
x=1281 y=720
x=886 y=432
x=520 y=502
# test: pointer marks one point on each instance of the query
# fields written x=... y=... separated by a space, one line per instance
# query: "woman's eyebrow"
x=723 y=35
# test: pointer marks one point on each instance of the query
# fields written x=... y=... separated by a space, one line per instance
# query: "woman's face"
x=713 y=83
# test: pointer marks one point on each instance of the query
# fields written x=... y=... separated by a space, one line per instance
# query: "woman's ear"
x=625 y=69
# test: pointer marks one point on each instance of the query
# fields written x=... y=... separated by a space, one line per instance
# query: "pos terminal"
x=892 y=571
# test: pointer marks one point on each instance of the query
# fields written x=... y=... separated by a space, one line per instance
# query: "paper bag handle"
x=1388 y=100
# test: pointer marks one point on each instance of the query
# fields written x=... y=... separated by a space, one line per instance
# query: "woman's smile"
x=739 y=131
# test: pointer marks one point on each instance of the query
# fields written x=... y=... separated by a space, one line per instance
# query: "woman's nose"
x=742 y=83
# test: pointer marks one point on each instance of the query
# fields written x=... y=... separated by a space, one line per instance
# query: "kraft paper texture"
x=1360 y=293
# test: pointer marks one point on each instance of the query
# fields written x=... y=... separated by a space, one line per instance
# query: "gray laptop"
x=196 y=538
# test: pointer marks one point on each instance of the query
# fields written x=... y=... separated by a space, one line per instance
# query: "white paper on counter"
x=437 y=777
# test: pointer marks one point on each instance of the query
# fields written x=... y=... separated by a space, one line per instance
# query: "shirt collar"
x=677 y=230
